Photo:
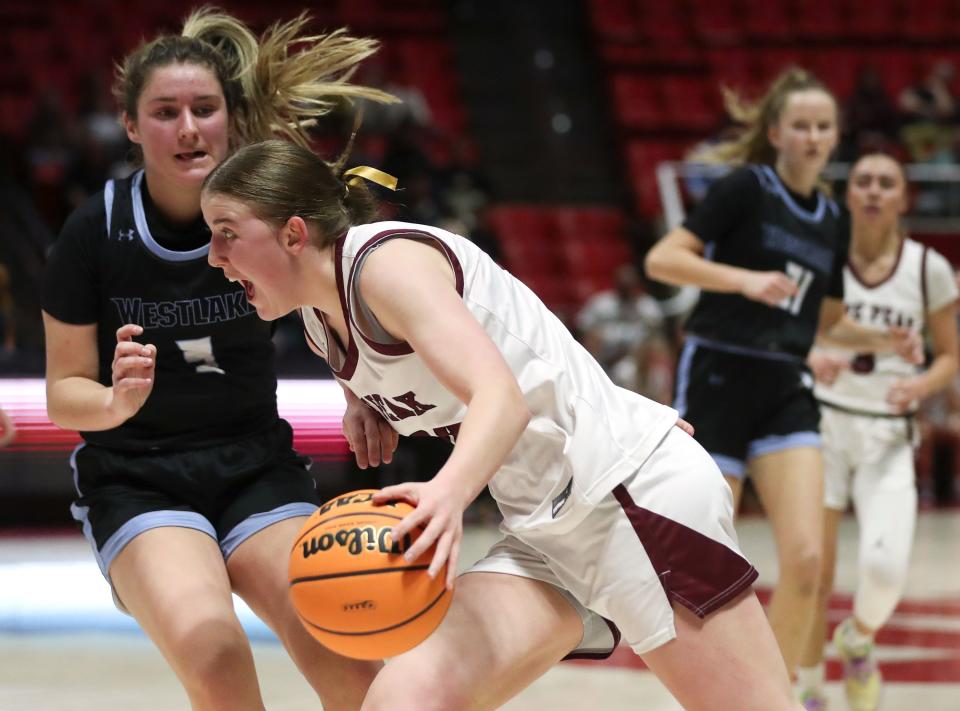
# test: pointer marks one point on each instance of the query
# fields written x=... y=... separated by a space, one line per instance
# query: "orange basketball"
x=351 y=586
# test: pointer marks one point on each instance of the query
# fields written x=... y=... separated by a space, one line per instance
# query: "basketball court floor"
x=63 y=647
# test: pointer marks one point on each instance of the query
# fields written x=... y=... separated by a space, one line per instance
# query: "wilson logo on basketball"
x=362 y=605
x=356 y=541
x=360 y=498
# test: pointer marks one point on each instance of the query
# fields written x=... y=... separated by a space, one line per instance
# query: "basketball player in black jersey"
x=188 y=486
x=767 y=249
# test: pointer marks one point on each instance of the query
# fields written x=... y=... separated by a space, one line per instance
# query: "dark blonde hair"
x=277 y=85
x=278 y=180
x=749 y=143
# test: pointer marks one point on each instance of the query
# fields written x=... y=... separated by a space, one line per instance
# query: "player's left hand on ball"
x=685 y=426
x=439 y=511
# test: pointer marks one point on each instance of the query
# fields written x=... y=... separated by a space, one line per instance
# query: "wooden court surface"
x=46 y=669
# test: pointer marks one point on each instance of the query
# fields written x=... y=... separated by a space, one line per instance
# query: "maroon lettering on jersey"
x=410 y=400
x=401 y=412
x=377 y=403
x=449 y=432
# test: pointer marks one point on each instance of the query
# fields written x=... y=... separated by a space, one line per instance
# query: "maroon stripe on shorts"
x=694 y=570
x=605 y=654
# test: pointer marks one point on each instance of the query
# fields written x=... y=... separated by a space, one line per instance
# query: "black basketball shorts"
x=742 y=405
x=229 y=491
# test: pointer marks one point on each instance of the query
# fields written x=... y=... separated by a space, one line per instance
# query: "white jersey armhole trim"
x=108 y=203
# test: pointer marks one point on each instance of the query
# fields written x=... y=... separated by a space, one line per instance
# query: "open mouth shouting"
x=188 y=157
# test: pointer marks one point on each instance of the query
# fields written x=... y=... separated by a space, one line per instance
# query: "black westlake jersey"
x=116 y=262
x=749 y=219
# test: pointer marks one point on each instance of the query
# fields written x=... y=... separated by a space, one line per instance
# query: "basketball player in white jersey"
x=867 y=403
x=615 y=521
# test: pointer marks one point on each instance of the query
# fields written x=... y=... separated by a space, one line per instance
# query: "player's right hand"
x=827 y=367
x=134 y=367
x=370 y=437
x=768 y=288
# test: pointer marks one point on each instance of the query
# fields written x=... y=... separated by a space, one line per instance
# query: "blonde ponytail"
x=749 y=142
x=287 y=80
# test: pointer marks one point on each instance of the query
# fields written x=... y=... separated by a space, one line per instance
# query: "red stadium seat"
x=595 y=257
x=589 y=222
x=819 y=20
x=735 y=68
x=837 y=68
x=766 y=21
x=873 y=19
x=636 y=101
x=930 y=20
x=614 y=20
x=664 y=23
x=643 y=156
x=583 y=286
x=718 y=22
x=691 y=103
x=898 y=68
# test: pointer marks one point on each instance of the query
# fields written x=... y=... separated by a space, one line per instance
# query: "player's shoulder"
x=88 y=221
x=743 y=178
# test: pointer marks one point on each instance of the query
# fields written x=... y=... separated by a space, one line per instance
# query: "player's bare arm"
x=75 y=398
x=410 y=288
x=678 y=259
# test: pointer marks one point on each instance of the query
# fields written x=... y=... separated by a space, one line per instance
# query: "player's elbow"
x=657 y=264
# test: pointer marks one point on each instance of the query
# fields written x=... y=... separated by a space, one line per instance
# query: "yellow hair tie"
x=365 y=172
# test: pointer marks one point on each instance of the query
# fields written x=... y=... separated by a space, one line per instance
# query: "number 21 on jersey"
x=802 y=277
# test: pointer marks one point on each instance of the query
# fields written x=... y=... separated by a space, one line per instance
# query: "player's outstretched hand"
x=439 y=511
x=134 y=367
x=769 y=288
x=907 y=343
x=370 y=437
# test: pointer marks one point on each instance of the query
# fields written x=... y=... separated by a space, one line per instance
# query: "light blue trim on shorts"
x=144 y=522
x=730 y=466
x=257 y=522
x=777 y=443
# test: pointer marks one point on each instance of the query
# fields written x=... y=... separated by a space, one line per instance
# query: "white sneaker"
x=861 y=675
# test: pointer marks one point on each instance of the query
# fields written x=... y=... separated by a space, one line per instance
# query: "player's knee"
x=801 y=569
x=882 y=572
x=210 y=651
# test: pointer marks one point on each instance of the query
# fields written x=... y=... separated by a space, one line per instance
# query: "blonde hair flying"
x=277 y=85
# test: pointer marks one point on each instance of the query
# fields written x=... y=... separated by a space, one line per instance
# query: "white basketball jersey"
x=584 y=431
x=922 y=281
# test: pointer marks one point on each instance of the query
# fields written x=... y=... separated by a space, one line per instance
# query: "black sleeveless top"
x=118 y=261
x=750 y=219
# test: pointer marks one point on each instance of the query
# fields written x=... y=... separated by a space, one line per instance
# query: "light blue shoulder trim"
x=771 y=182
x=140 y=219
x=108 y=203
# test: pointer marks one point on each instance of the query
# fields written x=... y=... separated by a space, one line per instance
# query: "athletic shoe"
x=861 y=675
x=813 y=700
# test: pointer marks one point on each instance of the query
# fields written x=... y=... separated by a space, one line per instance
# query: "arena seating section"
x=663 y=63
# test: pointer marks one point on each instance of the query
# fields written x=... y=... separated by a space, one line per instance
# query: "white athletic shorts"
x=664 y=535
x=862 y=451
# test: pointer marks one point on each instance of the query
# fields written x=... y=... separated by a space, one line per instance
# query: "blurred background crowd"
x=535 y=128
